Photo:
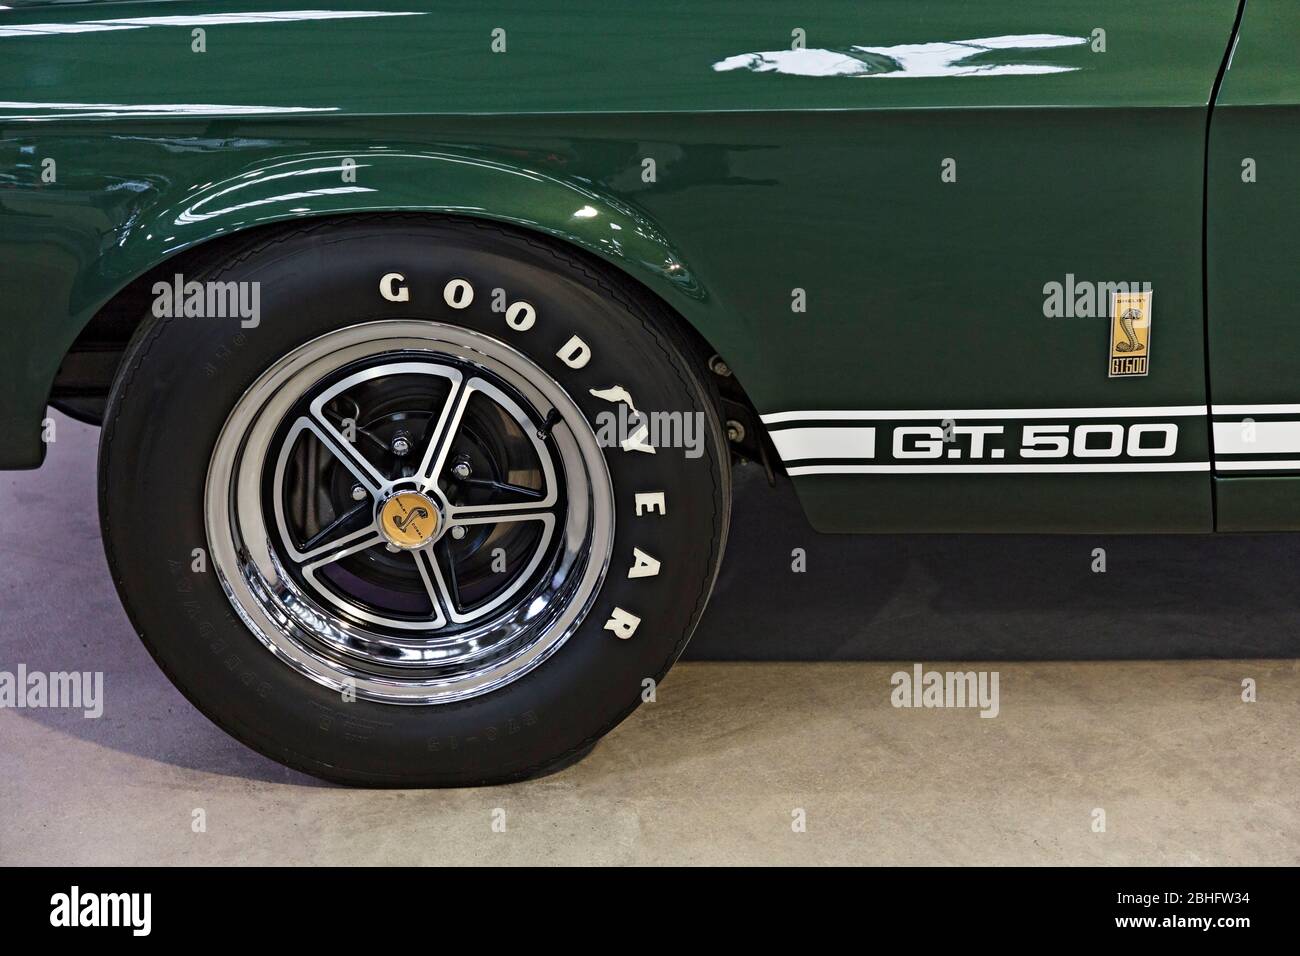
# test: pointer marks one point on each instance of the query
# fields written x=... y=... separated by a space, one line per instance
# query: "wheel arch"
x=173 y=236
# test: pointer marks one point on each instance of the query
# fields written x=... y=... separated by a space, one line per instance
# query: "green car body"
x=869 y=229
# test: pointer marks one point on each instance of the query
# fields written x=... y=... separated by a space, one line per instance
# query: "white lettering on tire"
x=458 y=293
x=643 y=566
x=651 y=501
x=637 y=440
x=521 y=316
x=574 y=353
x=387 y=290
x=622 y=623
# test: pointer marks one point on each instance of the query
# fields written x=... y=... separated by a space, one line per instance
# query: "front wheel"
x=436 y=515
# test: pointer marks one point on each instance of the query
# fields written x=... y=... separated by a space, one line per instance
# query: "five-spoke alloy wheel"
x=409 y=511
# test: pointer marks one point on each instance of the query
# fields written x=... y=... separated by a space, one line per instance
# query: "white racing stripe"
x=1255 y=409
x=848 y=444
x=847 y=448
x=1258 y=438
x=795 y=444
x=1253 y=438
x=1274 y=465
x=997 y=469
x=958 y=414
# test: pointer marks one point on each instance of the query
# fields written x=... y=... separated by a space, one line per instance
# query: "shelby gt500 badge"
x=1130 y=334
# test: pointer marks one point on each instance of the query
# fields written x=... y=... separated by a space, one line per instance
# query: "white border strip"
x=1285 y=464
x=1265 y=438
x=1005 y=469
x=842 y=441
x=1255 y=409
x=1142 y=411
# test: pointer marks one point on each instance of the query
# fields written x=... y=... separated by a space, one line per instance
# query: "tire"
x=227 y=456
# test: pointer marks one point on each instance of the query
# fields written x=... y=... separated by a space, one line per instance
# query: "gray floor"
x=1185 y=772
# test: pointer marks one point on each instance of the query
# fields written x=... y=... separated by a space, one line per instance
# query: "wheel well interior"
x=86 y=374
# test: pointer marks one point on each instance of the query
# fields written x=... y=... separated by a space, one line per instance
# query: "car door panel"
x=1253 y=278
x=941 y=324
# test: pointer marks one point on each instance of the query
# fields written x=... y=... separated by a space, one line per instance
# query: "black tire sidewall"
x=181 y=378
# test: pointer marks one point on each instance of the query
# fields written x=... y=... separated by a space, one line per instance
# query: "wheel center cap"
x=409 y=519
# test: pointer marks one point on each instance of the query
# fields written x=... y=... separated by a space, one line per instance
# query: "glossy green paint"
x=1253 y=250
x=921 y=294
x=592 y=56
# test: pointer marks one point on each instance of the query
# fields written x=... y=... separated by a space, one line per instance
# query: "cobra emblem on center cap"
x=409 y=519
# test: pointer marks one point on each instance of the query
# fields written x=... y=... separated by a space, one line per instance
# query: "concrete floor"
x=1185 y=771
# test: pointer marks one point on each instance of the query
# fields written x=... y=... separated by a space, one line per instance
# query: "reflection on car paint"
x=200 y=20
x=144 y=110
x=905 y=60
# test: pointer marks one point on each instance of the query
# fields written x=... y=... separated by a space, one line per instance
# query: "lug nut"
x=358 y=493
x=462 y=469
x=735 y=431
x=401 y=443
x=458 y=531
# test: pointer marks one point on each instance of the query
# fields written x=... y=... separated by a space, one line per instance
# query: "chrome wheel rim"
x=409 y=511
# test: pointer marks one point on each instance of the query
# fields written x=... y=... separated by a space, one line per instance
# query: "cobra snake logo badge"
x=1126 y=325
x=409 y=520
x=401 y=521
